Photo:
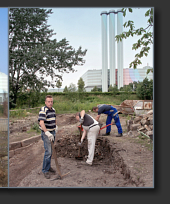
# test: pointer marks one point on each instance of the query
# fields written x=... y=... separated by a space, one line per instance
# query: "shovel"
x=79 y=157
x=57 y=165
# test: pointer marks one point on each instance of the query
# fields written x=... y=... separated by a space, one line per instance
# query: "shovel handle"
x=56 y=161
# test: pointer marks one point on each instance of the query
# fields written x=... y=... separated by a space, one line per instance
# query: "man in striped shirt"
x=48 y=127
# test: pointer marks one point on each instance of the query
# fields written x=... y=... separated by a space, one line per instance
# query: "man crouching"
x=91 y=128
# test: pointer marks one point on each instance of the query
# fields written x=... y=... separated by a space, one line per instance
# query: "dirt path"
x=118 y=162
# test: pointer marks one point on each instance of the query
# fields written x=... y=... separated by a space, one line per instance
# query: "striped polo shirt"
x=49 y=117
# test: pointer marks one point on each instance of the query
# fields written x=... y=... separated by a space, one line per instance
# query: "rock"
x=144 y=122
x=137 y=119
x=129 y=123
x=134 y=126
x=150 y=112
x=147 y=127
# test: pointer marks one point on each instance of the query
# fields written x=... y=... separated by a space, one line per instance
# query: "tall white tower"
x=104 y=52
x=112 y=60
x=120 y=50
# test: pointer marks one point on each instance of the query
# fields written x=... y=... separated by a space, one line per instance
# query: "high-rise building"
x=3 y=86
x=93 y=77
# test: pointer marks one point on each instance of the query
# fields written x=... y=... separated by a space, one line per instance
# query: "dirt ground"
x=118 y=162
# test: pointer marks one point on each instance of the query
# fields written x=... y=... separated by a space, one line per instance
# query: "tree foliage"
x=81 y=85
x=33 y=56
x=95 y=89
x=65 y=89
x=144 y=89
x=72 y=88
x=146 y=36
x=113 y=89
x=58 y=84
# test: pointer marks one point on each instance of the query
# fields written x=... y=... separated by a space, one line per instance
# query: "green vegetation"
x=72 y=102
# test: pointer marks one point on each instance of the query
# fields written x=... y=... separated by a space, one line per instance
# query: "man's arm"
x=82 y=113
x=97 y=117
x=43 y=125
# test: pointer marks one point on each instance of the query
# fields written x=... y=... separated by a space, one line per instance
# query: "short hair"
x=48 y=96
x=94 y=108
x=77 y=114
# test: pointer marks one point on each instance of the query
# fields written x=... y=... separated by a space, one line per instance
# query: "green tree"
x=81 y=85
x=146 y=36
x=144 y=89
x=95 y=89
x=113 y=89
x=65 y=89
x=58 y=84
x=72 y=88
x=33 y=55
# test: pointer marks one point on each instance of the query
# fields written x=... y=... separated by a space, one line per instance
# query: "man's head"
x=95 y=109
x=49 y=101
x=77 y=116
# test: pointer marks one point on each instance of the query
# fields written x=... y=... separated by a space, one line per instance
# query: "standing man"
x=91 y=128
x=48 y=127
x=111 y=112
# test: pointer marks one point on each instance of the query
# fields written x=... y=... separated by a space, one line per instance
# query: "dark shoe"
x=47 y=175
x=51 y=170
x=119 y=135
x=106 y=134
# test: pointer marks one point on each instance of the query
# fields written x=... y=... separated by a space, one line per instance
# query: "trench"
x=105 y=153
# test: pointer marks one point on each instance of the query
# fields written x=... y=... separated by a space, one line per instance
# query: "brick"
x=14 y=145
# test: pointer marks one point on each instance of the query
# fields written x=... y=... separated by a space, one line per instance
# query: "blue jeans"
x=48 y=151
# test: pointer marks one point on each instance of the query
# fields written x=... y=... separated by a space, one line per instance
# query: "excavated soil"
x=118 y=162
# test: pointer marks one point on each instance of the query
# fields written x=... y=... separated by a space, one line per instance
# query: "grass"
x=73 y=103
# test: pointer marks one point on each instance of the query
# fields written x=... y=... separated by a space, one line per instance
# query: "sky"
x=82 y=27
x=4 y=40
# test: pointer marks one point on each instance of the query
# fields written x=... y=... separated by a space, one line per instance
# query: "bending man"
x=111 y=112
x=91 y=128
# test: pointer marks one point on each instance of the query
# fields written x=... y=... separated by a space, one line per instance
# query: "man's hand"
x=50 y=136
x=56 y=129
x=80 y=143
x=81 y=120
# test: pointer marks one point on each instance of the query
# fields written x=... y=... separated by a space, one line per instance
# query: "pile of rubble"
x=141 y=125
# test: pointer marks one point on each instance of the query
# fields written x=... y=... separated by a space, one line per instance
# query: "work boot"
x=119 y=135
x=106 y=134
x=51 y=170
x=47 y=175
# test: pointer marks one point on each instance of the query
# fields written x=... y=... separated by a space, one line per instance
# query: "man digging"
x=48 y=127
x=111 y=113
x=91 y=129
